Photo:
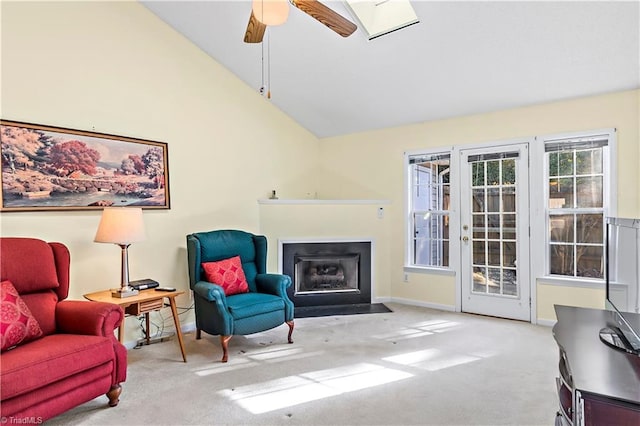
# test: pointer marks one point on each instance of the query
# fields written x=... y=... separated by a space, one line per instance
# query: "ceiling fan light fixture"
x=271 y=12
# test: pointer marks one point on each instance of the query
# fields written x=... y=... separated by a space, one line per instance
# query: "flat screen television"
x=622 y=280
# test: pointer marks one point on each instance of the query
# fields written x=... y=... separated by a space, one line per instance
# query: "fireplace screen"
x=327 y=274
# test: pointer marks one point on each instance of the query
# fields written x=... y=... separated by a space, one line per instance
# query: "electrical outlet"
x=380 y=212
x=406 y=278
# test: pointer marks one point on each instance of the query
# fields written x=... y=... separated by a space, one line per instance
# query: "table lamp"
x=121 y=226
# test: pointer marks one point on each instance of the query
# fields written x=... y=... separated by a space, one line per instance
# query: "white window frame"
x=410 y=266
x=540 y=211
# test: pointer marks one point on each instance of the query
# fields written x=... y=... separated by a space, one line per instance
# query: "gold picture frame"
x=55 y=168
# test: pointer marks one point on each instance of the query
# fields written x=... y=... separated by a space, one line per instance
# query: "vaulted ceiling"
x=462 y=58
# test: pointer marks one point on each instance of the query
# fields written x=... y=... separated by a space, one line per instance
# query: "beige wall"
x=113 y=67
x=378 y=173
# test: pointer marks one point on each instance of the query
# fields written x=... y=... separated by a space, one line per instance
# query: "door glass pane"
x=561 y=228
x=509 y=253
x=508 y=172
x=509 y=282
x=478 y=226
x=479 y=280
x=493 y=283
x=493 y=253
x=493 y=199
x=509 y=226
x=561 y=259
x=493 y=173
x=493 y=226
x=509 y=199
x=478 y=200
x=477 y=174
x=479 y=253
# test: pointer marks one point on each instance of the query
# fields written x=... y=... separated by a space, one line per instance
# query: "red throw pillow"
x=17 y=325
x=227 y=273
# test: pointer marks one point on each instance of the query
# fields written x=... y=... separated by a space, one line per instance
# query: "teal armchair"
x=266 y=304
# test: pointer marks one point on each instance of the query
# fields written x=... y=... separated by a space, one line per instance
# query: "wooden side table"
x=143 y=303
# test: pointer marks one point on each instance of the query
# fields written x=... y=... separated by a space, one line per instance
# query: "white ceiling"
x=462 y=58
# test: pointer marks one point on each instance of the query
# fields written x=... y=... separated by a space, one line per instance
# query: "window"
x=429 y=202
x=577 y=204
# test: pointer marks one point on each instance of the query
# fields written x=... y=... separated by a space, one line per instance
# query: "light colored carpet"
x=413 y=366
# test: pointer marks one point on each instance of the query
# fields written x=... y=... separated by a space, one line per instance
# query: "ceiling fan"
x=261 y=17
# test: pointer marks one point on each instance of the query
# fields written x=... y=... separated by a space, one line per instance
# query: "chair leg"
x=114 y=395
x=198 y=334
x=224 y=341
x=290 y=324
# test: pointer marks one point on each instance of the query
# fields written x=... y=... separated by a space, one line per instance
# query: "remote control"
x=165 y=289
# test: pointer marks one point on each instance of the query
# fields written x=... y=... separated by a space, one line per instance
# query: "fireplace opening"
x=328 y=273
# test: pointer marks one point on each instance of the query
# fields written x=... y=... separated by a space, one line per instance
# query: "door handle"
x=465 y=238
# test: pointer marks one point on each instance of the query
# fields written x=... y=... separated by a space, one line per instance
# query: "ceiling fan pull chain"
x=269 y=65
x=262 y=68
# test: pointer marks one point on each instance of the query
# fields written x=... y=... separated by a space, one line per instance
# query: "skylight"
x=380 y=17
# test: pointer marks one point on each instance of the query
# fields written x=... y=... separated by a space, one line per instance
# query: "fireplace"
x=328 y=273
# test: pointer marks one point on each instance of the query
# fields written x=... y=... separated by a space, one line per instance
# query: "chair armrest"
x=90 y=318
x=276 y=284
x=211 y=292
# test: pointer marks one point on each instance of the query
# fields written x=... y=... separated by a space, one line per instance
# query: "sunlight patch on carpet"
x=421 y=329
x=293 y=390
x=431 y=359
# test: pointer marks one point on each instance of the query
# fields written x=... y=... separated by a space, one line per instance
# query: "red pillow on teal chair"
x=228 y=274
x=17 y=324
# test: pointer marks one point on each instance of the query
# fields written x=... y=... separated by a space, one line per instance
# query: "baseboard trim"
x=546 y=322
x=430 y=305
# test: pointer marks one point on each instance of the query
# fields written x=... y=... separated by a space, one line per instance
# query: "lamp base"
x=124 y=292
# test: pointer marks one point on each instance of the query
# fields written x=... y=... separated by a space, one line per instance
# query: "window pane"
x=565 y=163
x=493 y=172
x=445 y=253
x=589 y=162
x=477 y=170
x=589 y=228
x=431 y=231
x=561 y=259
x=589 y=191
x=589 y=261
x=553 y=163
x=478 y=200
x=560 y=193
x=561 y=228
x=508 y=172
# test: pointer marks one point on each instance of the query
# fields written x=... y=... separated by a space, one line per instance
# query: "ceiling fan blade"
x=322 y=13
x=255 y=30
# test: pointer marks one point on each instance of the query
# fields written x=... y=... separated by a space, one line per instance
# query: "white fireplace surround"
x=371 y=241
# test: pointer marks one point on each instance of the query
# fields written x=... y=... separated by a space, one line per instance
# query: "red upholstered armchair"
x=70 y=354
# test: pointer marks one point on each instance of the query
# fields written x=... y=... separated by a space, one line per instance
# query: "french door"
x=494 y=219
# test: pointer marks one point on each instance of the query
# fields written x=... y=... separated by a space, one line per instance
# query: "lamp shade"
x=120 y=225
x=271 y=12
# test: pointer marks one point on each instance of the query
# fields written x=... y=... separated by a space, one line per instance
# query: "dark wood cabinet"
x=597 y=385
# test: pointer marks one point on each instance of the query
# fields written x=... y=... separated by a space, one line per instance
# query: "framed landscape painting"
x=52 y=168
